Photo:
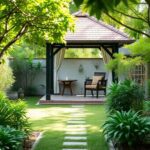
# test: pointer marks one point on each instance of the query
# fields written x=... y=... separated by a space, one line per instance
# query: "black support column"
x=49 y=71
x=115 y=49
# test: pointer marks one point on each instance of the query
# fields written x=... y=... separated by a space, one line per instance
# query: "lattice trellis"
x=138 y=74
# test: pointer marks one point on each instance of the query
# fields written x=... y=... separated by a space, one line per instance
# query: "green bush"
x=147 y=105
x=10 y=138
x=25 y=71
x=125 y=96
x=13 y=114
x=6 y=77
x=127 y=128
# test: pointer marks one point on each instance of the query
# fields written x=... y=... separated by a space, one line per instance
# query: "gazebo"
x=89 y=33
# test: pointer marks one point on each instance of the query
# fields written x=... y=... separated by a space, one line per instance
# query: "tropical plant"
x=13 y=114
x=124 y=96
x=10 y=138
x=6 y=77
x=126 y=128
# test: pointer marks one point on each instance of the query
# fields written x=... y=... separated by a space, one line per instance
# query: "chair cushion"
x=90 y=86
x=96 y=79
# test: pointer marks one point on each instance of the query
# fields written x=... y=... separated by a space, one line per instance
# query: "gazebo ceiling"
x=91 y=31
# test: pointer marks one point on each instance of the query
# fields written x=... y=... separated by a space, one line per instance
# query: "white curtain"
x=106 y=59
x=57 y=64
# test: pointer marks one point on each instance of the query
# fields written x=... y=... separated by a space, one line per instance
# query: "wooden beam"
x=57 y=50
x=107 y=50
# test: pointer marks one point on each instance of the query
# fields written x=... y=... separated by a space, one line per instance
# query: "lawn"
x=51 y=119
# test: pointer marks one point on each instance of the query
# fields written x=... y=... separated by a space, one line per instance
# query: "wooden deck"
x=78 y=99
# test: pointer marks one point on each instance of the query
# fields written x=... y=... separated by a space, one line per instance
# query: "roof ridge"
x=81 y=14
x=107 y=26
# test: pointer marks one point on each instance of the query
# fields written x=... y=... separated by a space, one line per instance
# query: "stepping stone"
x=81 y=119
x=76 y=133
x=76 y=126
x=76 y=129
x=75 y=138
x=75 y=144
x=78 y=106
x=75 y=122
x=78 y=114
x=73 y=149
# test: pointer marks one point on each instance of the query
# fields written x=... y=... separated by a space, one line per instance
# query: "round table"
x=67 y=84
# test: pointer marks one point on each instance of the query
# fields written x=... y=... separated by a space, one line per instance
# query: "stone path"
x=76 y=132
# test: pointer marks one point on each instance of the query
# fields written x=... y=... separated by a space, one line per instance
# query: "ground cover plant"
x=13 y=114
x=127 y=130
x=124 y=126
x=51 y=120
x=10 y=138
x=14 y=125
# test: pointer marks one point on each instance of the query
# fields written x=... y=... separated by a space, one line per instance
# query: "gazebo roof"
x=89 y=30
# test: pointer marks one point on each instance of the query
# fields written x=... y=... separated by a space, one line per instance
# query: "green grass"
x=51 y=119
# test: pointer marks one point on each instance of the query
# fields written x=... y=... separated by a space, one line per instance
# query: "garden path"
x=76 y=132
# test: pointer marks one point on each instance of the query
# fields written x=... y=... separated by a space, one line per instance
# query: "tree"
x=40 y=20
x=132 y=14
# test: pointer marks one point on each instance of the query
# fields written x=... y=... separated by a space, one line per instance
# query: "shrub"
x=10 y=138
x=13 y=114
x=6 y=77
x=25 y=70
x=147 y=106
x=125 y=96
x=126 y=128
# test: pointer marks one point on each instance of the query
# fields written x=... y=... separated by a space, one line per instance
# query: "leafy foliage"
x=125 y=96
x=13 y=114
x=25 y=70
x=141 y=48
x=40 y=20
x=10 y=138
x=82 y=53
x=127 y=128
x=6 y=77
x=100 y=5
x=147 y=106
x=131 y=14
x=30 y=48
x=122 y=64
x=140 y=53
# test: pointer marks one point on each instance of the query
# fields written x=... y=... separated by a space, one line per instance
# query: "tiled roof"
x=90 y=30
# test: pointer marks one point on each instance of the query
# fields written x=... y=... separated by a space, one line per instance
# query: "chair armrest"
x=102 y=82
x=88 y=82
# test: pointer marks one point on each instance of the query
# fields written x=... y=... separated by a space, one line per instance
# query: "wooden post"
x=48 y=94
x=49 y=71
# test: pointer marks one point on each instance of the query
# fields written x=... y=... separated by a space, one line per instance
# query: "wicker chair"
x=98 y=83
